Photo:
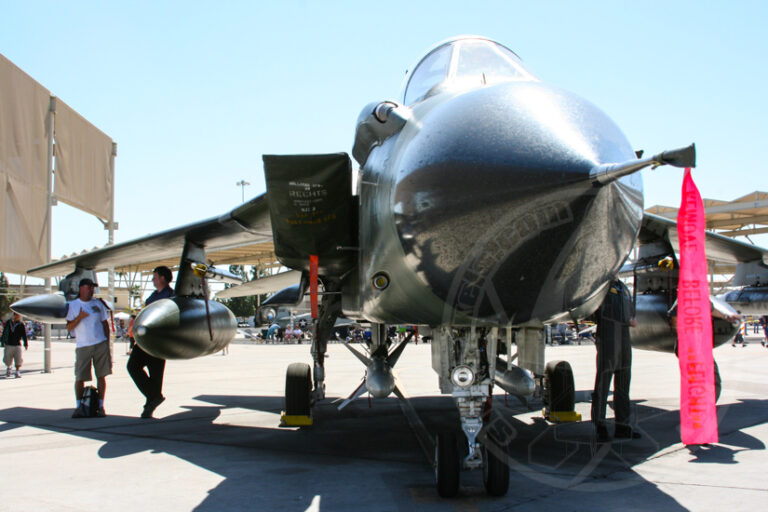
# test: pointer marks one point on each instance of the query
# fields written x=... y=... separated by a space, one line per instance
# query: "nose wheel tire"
x=447 y=464
x=495 y=471
x=298 y=389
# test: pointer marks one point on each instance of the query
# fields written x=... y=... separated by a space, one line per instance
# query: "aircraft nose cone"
x=51 y=308
x=492 y=195
x=177 y=328
x=380 y=382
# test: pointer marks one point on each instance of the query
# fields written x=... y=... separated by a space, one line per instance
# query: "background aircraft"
x=655 y=274
x=751 y=296
x=486 y=205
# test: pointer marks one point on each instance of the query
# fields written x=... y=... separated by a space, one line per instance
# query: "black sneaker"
x=602 y=434
x=625 y=432
x=151 y=405
x=100 y=413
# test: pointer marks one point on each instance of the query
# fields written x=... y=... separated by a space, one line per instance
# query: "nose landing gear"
x=461 y=357
x=488 y=455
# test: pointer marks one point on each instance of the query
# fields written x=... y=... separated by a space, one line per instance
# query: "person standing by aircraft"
x=739 y=338
x=13 y=333
x=88 y=318
x=614 y=361
x=272 y=332
x=150 y=382
x=129 y=333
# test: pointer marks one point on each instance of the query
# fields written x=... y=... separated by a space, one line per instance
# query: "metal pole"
x=111 y=241
x=48 y=228
x=242 y=184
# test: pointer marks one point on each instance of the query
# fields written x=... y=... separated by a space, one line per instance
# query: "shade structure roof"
x=746 y=215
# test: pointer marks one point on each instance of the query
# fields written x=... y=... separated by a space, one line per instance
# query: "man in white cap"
x=88 y=318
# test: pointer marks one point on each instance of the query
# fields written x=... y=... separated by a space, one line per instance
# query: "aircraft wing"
x=655 y=231
x=269 y=284
x=248 y=223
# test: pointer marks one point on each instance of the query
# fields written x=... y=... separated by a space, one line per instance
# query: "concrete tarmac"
x=216 y=443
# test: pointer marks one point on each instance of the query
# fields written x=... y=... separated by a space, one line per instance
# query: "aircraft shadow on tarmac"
x=377 y=444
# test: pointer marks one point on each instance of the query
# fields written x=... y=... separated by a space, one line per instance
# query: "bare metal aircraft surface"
x=487 y=204
x=751 y=297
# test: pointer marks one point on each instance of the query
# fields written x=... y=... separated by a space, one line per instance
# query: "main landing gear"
x=298 y=396
x=303 y=387
x=560 y=393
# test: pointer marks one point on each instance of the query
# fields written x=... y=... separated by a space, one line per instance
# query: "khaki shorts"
x=100 y=354
x=13 y=353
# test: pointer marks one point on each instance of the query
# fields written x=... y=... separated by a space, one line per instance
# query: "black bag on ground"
x=91 y=400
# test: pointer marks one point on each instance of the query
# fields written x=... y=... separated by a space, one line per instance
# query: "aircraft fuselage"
x=480 y=209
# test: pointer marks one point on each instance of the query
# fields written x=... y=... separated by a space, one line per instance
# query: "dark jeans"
x=150 y=384
x=614 y=361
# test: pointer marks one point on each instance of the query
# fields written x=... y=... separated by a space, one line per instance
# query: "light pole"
x=243 y=184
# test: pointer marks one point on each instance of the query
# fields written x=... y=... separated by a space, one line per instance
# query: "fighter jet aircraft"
x=487 y=204
x=751 y=297
x=655 y=273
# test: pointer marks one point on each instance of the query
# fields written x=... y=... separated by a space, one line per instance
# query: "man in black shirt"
x=150 y=382
x=614 y=361
x=12 y=354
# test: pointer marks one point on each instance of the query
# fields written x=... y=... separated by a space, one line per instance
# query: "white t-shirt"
x=90 y=330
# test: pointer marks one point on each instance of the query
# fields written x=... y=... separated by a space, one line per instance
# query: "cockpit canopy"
x=463 y=63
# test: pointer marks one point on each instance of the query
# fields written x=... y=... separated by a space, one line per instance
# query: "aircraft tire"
x=298 y=389
x=561 y=394
x=718 y=383
x=447 y=464
x=495 y=473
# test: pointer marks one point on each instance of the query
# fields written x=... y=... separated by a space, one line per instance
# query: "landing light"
x=380 y=281
x=463 y=376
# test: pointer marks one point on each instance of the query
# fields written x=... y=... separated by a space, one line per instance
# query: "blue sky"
x=195 y=92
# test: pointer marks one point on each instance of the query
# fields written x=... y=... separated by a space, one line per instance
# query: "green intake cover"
x=312 y=210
